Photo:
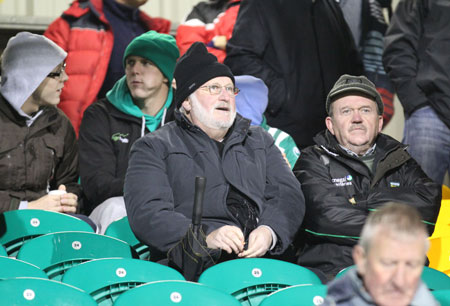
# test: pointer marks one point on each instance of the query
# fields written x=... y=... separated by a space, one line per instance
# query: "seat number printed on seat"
x=175 y=297
x=121 y=272
x=256 y=272
x=318 y=300
x=28 y=294
x=76 y=245
x=35 y=222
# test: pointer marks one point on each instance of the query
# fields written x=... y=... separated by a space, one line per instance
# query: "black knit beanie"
x=196 y=67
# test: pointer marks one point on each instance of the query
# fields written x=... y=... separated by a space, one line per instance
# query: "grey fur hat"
x=26 y=61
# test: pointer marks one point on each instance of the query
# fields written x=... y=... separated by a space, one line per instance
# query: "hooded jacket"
x=109 y=128
x=160 y=180
x=85 y=33
x=251 y=102
x=340 y=191
x=35 y=159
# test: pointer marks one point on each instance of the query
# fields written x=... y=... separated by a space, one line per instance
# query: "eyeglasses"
x=58 y=74
x=216 y=89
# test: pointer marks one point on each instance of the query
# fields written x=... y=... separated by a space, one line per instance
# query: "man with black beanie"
x=252 y=203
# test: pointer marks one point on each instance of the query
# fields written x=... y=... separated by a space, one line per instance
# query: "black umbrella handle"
x=197 y=211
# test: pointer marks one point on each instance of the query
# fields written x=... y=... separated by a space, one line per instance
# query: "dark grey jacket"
x=159 y=184
x=416 y=56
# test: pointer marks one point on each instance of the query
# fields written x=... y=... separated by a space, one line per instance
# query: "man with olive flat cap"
x=353 y=169
x=252 y=204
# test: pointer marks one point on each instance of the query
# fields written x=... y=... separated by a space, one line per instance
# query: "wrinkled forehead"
x=354 y=101
x=221 y=80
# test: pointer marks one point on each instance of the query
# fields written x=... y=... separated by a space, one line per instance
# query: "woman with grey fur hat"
x=38 y=149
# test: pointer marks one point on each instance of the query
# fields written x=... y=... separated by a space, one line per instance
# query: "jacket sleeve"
x=66 y=171
x=246 y=48
x=97 y=158
x=415 y=189
x=400 y=58
x=7 y=202
x=328 y=210
x=284 y=206
x=151 y=209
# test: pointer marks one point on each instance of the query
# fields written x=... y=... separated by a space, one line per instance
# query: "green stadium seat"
x=105 y=279
x=442 y=296
x=300 y=295
x=18 y=226
x=250 y=280
x=434 y=279
x=121 y=229
x=177 y=293
x=39 y=291
x=56 y=252
x=3 y=251
x=11 y=268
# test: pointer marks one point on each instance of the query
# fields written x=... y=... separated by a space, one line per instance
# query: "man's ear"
x=329 y=124
x=380 y=123
x=187 y=104
x=359 y=257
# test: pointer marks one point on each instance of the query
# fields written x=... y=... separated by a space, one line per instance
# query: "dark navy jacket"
x=159 y=185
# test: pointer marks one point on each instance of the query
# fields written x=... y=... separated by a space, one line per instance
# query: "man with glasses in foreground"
x=38 y=147
x=252 y=203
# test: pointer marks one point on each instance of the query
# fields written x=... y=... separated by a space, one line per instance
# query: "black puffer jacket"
x=160 y=180
x=340 y=191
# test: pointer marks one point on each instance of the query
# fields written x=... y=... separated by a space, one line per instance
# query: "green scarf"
x=120 y=97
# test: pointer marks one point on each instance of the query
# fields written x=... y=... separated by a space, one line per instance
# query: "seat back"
x=443 y=296
x=439 y=252
x=121 y=229
x=18 y=226
x=105 y=279
x=435 y=280
x=3 y=251
x=11 y=268
x=179 y=293
x=250 y=280
x=56 y=252
x=300 y=295
x=445 y=192
x=38 y=291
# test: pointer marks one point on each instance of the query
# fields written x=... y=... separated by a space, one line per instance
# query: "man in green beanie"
x=139 y=103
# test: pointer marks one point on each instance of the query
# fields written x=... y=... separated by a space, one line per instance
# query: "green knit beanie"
x=160 y=49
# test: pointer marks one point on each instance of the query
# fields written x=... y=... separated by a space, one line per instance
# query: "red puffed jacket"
x=194 y=29
x=85 y=34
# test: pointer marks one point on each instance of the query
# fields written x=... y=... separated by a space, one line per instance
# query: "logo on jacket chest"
x=343 y=181
x=120 y=137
